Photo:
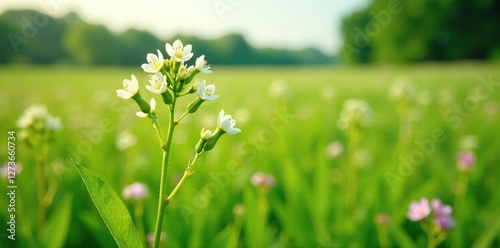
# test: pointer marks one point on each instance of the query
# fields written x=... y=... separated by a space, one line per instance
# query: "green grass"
x=307 y=204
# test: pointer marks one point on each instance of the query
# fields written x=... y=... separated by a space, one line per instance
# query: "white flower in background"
x=206 y=92
x=178 y=51
x=152 y=104
x=130 y=88
x=402 y=89
x=203 y=65
x=135 y=191
x=38 y=117
x=334 y=149
x=157 y=83
x=53 y=123
x=227 y=123
x=155 y=63
x=355 y=113
x=125 y=140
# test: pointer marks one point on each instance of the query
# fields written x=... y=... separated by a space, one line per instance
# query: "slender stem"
x=40 y=172
x=430 y=235
x=162 y=203
x=461 y=191
x=352 y=170
x=155 y=125
x=235 y=233
x=189 y=170
x=139 y=220
x=260 y=222
x=181 y=117
x=382 y=236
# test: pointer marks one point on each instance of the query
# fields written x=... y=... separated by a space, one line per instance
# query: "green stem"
x=235 y=232
x=155 y=125
x=382 y=237
x=181 y=117
x=162 y=203
x=40 y=172
x=430 y=234
x=189 y=170
x=139 y=220
x=458 y=208
x=352 y=170
x=260 y=222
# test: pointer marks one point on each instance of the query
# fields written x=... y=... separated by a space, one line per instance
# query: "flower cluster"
x=355 y=114
x=402 y=90
x=420 y=210
x=171 y=78
x=36 y=120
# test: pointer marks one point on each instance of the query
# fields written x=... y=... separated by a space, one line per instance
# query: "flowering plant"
x=171 y=79
x=435 y=219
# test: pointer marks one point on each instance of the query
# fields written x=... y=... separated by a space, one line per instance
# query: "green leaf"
x=111 y=208
x=489 y=234
x=56 y=231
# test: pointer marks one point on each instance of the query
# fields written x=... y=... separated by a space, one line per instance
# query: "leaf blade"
x=56 y=232
x=111 y=208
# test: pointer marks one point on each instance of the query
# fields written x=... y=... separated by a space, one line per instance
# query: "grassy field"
x=288 y=117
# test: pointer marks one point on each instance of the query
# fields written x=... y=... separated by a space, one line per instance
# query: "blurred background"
x=337 y=173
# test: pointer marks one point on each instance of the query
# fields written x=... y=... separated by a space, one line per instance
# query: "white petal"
x=123 y=94
x=233 y=130
x=134 y=85
x=151 y=57
x=210 y=87
x=212 y=97
x=160 y=56
x=152 y=103
x=187 y=57
x=219 y=117
x=187 y=49
x=152 y=89
x=141 y=114
x=169 y=49
x=178 y=43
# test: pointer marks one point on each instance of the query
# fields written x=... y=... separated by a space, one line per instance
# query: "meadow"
x=289 y=118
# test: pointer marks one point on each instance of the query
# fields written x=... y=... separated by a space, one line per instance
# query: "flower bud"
x=210 y=143
x=167 y=97
x=184 y=72
x=192 y=89
x=167 y=64
x=205 y=135
x=194 y=105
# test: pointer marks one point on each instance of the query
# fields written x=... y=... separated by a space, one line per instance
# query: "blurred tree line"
x=421 y=30
x=32 y=37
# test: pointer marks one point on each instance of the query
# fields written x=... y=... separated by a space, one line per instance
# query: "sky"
x=289 y=24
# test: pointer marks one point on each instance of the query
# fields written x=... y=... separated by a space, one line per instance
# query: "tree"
x=92 y=44
x=413 y=31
